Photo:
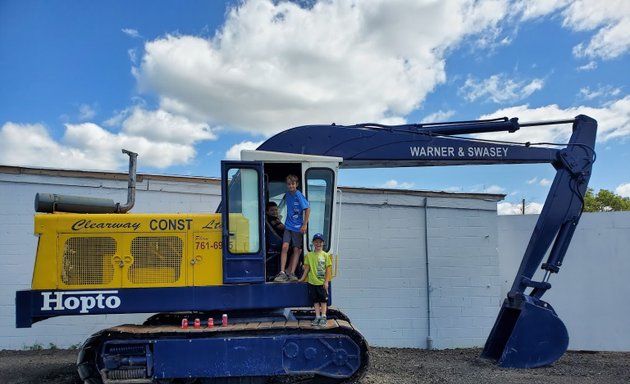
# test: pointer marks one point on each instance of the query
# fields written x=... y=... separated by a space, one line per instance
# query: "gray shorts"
x=294 y=239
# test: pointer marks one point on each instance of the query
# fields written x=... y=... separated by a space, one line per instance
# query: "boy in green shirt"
x=317 y=272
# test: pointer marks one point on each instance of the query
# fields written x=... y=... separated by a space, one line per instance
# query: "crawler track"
x=133 y=345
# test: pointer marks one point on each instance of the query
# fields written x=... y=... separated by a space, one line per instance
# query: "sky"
x=187 y=84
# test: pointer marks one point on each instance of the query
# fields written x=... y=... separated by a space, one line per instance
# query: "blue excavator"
x=217 y=316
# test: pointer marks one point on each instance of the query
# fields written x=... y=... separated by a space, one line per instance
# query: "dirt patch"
x=49 y=366
x=388 y=365
x=465 y=366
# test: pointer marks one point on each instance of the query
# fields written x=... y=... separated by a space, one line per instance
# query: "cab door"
x=242 y=211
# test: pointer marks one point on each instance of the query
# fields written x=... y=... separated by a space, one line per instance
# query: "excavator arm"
x=527 y=332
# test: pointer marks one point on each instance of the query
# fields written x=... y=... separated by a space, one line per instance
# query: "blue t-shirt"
x=296 y=204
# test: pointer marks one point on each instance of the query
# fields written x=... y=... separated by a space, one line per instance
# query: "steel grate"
x=155 y=259
x=87 y=260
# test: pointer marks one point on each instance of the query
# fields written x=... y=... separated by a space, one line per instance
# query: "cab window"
x=319 y=193
x=243 y=219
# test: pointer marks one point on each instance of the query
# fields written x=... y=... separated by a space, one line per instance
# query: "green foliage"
x=39 y=347
x=34 y=347
x=605 y=201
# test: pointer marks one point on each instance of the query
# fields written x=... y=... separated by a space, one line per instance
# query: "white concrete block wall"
x=382 y=282
x=463 y=273
x=591 y=292
x=17 y=251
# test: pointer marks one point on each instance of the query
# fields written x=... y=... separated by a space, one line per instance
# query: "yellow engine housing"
x=91 y=251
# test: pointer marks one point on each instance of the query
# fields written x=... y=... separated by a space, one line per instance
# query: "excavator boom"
x=527 y=332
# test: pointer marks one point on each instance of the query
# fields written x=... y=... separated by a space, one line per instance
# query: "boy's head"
x=292 y=183
x=318 y=241
x=272 y=209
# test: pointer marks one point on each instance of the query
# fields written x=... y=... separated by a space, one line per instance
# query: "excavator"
x=217 y=316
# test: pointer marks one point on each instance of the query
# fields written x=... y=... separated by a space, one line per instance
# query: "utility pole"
x=523 y=207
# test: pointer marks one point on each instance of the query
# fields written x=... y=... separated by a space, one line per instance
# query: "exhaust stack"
x=49 y=202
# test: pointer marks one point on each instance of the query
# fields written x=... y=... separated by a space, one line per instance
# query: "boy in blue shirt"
x=298 y=212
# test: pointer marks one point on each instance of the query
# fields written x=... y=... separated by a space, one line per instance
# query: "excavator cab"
x=248 y=185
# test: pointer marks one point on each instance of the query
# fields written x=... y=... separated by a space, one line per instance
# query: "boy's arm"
x=277 y=224
x=307 y=214
x=305 y=267
x=328 y=276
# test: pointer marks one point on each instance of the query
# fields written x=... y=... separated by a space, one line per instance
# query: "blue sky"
x=189 y=83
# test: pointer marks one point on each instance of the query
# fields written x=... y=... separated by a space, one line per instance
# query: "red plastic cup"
x=184 y=323
x=210 y=322
x=224 y=321
x=197 y=324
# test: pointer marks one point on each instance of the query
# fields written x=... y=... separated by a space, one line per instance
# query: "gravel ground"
x=388 y=365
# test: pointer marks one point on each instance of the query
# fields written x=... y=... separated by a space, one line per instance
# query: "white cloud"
x=133 y=55
x=600 y=92
x=162 y=126
x=31 y=145
x=86 y=112
x=532 y=9
x=117 y=118
x=542 y=182
x=494 y=189
x=499 y=89
x=234 y=153
x=613 y=122
x=131 y=32
x=394 y=184
x=623 y=190
x=274 y=65
x=611 y=21
x=480 y=188
x=505 y=208
x=533 y=208
x=591 y=65
x=439 y=116
x=161 y=140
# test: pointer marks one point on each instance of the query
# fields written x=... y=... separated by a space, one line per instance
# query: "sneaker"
x=315 y=322
x=281 y=277
x=292 y=277
x=322 y=321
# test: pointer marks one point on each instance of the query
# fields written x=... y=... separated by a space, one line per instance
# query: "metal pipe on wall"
x=426 y=255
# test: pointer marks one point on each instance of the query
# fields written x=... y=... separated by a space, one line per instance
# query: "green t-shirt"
x=317 y=263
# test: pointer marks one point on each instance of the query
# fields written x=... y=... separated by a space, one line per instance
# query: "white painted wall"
x=591 y=293
x=382 y=283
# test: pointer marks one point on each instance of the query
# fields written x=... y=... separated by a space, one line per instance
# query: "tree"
x=605 y=201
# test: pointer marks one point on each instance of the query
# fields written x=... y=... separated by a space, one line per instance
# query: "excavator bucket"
x=527 y=335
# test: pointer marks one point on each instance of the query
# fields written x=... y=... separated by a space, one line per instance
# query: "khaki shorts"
x=294 y=239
